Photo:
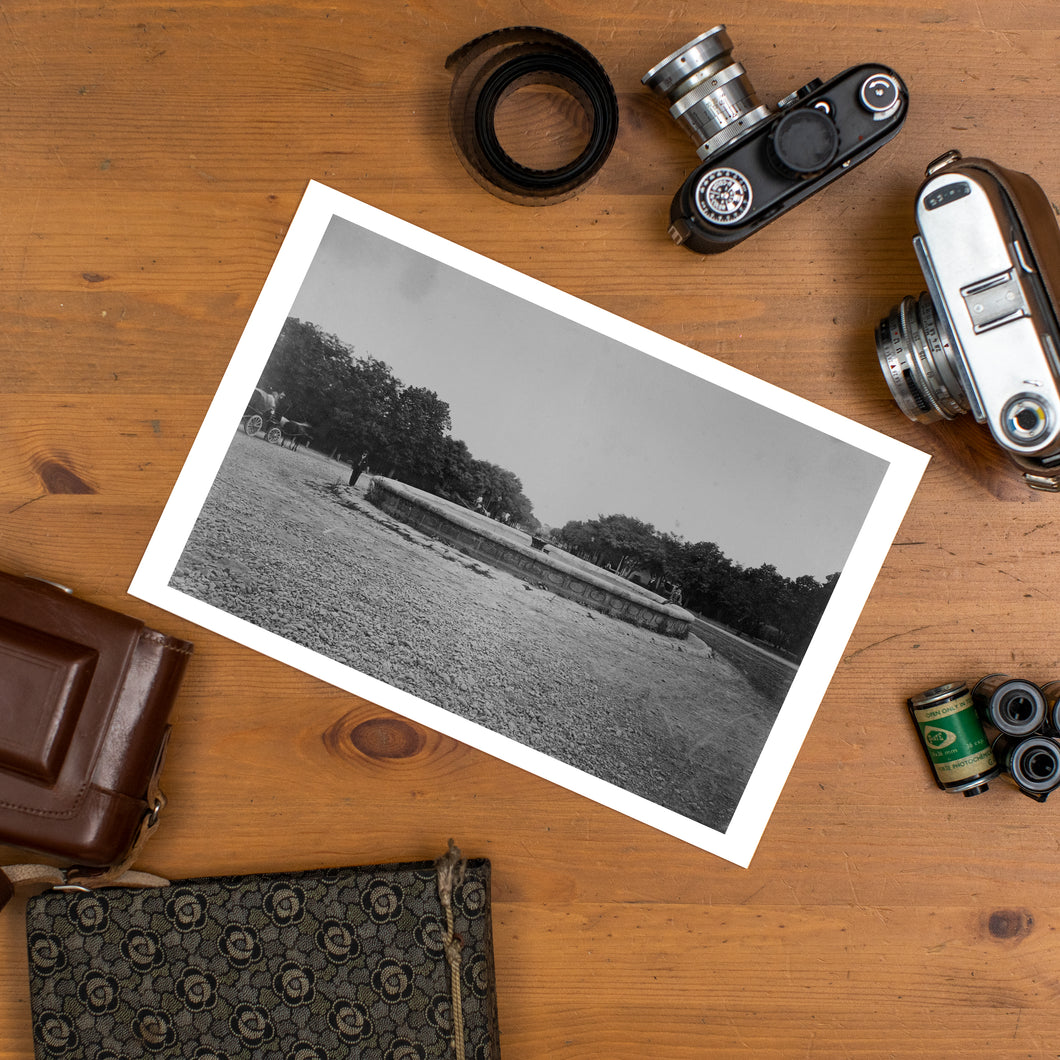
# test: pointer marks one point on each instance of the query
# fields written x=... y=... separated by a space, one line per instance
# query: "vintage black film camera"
x=983 y=337
x=759 y=163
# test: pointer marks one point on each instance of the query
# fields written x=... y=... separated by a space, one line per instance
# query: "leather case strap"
x=86 y=879
x=13 y=876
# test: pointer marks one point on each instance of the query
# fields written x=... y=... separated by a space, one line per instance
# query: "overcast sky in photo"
x=592 y=426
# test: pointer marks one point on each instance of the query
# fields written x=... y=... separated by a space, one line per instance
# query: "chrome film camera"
x=983 y=338
x=759 y=163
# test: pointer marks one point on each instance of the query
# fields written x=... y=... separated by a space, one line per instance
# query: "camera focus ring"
x=710 y=94
x=916 y=357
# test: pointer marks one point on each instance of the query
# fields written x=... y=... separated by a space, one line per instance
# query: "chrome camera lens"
x=917 y=356
x=711 y=96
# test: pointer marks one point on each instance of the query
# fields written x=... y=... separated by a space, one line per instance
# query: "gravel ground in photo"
x=285 y=543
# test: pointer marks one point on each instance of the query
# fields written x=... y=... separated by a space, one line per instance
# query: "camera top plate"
x=817 y=134
x=1032 y=213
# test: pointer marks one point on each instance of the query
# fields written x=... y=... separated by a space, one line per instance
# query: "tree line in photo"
x=363 y=415
x=759 y=602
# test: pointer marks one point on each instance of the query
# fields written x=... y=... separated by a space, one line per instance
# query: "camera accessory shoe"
x=759 y=163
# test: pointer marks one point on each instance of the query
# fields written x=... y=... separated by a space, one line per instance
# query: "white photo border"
x=318 y=207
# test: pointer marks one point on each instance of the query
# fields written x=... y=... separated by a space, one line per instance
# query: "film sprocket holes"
x=984 y=337
x=759 y=163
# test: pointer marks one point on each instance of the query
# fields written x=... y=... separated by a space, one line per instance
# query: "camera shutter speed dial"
x=803 y=143
x=723 y=196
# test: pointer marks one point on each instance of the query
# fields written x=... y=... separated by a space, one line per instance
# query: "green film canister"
x=953 y=739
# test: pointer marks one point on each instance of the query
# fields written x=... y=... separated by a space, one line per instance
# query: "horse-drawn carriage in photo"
x=294 y=433
x=262 y=414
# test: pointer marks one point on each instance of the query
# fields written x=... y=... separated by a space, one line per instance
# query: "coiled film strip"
x=489 y=68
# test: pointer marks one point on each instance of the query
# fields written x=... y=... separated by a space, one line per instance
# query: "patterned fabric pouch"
x=388 y=962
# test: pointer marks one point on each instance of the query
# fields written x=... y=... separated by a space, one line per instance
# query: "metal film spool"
x=1013 y=706
x=1033 y=763
x=1051 y=691
x=953 y=739
x=488 y=69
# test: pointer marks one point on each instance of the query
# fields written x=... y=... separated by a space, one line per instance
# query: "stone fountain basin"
x=512 y=550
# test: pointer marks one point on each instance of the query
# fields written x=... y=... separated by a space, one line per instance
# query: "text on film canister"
x=953 y=739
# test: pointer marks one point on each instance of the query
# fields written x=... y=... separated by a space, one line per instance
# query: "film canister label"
x=954 y=740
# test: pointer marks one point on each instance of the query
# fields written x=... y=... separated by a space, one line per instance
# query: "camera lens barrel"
x=1013 y=706
x=711 y=96
x=918 y=361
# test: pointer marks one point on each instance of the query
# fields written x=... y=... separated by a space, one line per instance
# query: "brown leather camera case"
x=85 y=698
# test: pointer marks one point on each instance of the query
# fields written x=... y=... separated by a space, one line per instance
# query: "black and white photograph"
x=530 y=524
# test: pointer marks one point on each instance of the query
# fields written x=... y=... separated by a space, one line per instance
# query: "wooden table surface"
x=151 y=159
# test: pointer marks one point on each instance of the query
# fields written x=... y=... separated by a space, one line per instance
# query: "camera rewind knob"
x=880 y=95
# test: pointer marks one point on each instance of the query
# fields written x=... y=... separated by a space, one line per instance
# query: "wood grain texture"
x=151 y=158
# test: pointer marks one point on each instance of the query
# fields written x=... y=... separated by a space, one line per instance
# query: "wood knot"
x=378 y=738
x=1010 y=923
x=57 y=477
